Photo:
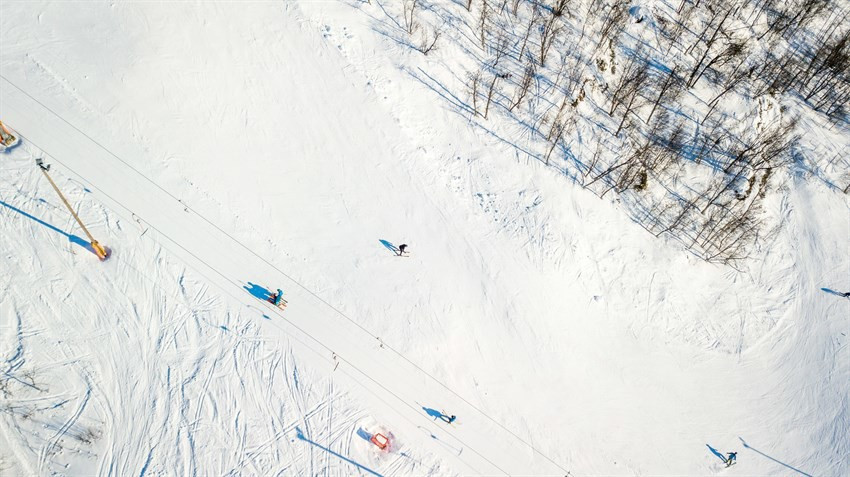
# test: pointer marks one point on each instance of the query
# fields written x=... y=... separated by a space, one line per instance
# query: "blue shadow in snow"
x=364 y=434
x=771 y=458
x=300 y=436
x=389 y=245
x=258 y=291
x=7 y=149
x=71 y=238
x=717 y=453
x=436 y=414
x=845 y=295
x=432 y=412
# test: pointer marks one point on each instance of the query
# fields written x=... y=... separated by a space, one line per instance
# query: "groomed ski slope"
x=219 y=151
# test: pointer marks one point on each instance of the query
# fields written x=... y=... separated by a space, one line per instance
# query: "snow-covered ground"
x=223 y=150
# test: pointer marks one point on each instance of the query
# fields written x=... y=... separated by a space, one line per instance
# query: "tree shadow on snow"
x=71 y=238
x=301 y=436
x=771 y=458
x=389 y=245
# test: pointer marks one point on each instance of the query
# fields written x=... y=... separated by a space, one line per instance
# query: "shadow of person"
x=438 y=415
x=433 y=413
x=258 y=291
x=717 y=453
x=389 y=245
x=833 y=292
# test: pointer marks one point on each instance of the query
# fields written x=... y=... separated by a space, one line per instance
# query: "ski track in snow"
x=543 y=306
x=89 y=397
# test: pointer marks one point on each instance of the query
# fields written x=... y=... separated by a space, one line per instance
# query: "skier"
x=448 y=419
x=401 y=249
x=277 y=297
x=731 y=459
x=845 y=295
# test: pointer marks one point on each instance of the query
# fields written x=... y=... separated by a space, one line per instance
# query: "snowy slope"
x=220 y=152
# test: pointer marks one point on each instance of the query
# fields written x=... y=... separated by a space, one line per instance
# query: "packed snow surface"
x=223 y=150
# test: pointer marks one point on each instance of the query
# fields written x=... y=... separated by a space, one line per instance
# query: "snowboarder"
x=401 y=249
x=731 y=459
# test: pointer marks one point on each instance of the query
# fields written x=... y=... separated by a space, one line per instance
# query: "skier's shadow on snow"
x=833 y=292
x=717 y=453
x=435 y=414
x=390 y=246
x=300 y=435
x=71 y=238
x=258 y=291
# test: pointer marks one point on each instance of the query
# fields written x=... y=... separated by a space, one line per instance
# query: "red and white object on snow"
x=7 y=137
x=380 y=440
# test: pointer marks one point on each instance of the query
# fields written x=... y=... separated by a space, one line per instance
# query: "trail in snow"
x=149 y=357
x=543 y=306
x=377 y=369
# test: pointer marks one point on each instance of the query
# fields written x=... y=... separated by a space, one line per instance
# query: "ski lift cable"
x=260 y=313
x=267 y=262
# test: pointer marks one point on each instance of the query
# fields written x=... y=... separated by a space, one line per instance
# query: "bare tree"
x=490 y=91
x=633 y=94
x=667 y=91
x=731 y=82
x=597 y=154
x=474 y=86
x=570 y=70
x=730 y=52
x=410 y=24
x=535 y=14
x=613 y=22
x=482 y=23
x=833 y=62
x=557 y=131
x=502 y=7
x=515 y=7
x=522 y=87
x=559 y=7
x=558 y=126
x=502 y=47
x=631 y=81
x=708 y=44
x=548 y=33
x=428 y=42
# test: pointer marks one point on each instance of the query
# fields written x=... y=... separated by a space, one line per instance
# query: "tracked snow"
x=225 y=150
